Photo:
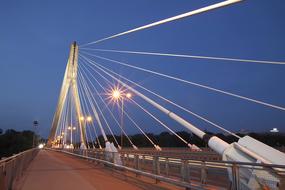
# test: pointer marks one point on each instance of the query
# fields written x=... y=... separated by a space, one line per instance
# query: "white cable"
x=88 y=96
x=119 y=106
x=160 y=122
x=84 y=107
x=190 y=56
x=193 y=83
x=135 y=124
x=164 y=110
x=164 y=125
x=190 y=13
x=86 y=113
x=61 y=121
x=85 y=103
x=104 y=102
x=169 y=101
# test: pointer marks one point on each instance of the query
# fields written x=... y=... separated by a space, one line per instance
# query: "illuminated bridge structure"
x=94 y=104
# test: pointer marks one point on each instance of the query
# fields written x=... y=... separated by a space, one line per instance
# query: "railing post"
x=137 y=165
x=143 y=162
x=128 y=159
x=113 y=157
x=136 y=161
x=156 y=166
x=203 y=173
x=167 y=166
x=235 y=177
x=184 y=170
x=122 y=156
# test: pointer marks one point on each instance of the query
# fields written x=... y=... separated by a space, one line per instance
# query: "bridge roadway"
x=53 y=170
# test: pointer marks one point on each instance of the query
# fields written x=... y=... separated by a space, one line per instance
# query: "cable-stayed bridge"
x=94 y=106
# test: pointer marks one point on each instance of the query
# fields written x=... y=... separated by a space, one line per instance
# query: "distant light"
x=67 y=146
x=274 y=130
x=69 y=128
x=62 y=133
x=89 y=118
x=81 y=118
x=41 y=146
x=128 y=95
x=74 y=128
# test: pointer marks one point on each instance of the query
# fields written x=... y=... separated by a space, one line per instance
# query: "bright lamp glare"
x=89 y=118
x=128 y=95
x=41 y=146
x=116 y=94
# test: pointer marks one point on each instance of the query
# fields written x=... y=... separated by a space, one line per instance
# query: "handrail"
x=204 y=161
x=15 y=155
x=185 y=169
x=12 y=168
x=139 y=172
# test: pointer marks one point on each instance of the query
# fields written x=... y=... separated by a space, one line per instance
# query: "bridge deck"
x=52 y=170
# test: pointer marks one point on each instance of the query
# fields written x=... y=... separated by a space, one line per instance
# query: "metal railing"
x=191 y=174
x=12 y=168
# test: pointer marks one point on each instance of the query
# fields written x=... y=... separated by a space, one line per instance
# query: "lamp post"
x=35 y=124
x=86 y=120
x=118 y=95
x=71 y=129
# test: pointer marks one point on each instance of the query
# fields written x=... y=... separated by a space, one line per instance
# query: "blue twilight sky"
x=34 y=44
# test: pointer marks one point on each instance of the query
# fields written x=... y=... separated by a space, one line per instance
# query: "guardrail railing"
x=190 y=174
x=12 y=168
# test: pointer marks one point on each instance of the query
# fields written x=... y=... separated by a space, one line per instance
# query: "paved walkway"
x=52 y=170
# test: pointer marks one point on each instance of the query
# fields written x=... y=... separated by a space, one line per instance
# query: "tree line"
x=166 y=139
x=13 y=142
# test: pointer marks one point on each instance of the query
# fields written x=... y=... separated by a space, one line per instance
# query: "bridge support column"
x=69 y=85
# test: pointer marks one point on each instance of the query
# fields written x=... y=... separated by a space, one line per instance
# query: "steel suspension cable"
x=193 y=83
x=169 y=101
x=135 y=124
x=188 y=56
x=92 y=124
x=88 y=96
x=84 y=107
x=86 y=104
x=181 y=16
x=164 y=125
x=105 y=103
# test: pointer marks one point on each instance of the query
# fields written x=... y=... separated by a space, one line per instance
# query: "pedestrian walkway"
x=52 y=170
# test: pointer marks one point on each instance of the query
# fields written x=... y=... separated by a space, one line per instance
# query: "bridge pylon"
x=69 y=85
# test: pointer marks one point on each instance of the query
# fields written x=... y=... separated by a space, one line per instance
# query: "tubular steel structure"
x=69 y=84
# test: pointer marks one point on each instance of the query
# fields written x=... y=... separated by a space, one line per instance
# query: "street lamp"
x=71 y=136
x=129 y=95
x=35 y=124
x=117 y=95
x=85 y=120
x=89 y=119
x=274 y=130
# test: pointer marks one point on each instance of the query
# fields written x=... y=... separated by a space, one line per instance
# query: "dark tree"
x=13 y=142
